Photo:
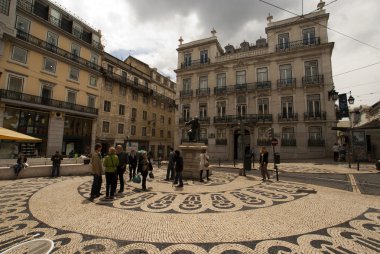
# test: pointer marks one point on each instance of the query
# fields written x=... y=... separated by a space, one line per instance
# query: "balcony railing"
x=287 y=117
x=204 y=120
x=195 y=63
x=53 y=48
x=298 y=44
x=286 y=83
x=186 y=93
x=264 y=142
x=316 y=142
x=201 y=140
x=263 y=85
x=288 y=142
x=315 y=116
x=249 y=118
x=221 y=142
x=235 y=88
x=203 y=91
x=17 y=96
x=313 y=80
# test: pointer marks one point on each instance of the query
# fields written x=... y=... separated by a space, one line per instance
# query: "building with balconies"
x=50 y=76
x=280 y=82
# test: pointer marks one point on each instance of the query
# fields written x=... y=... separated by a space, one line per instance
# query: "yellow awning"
x=6 y=134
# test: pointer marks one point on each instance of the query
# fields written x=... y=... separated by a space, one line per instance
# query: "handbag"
x=136 y=179
x=151 y=175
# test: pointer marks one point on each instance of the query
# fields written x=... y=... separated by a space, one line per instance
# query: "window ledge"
x=18 y=63
x=49 y=73
x=73 y=81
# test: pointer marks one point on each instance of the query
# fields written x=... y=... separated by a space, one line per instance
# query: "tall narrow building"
x=279 y=82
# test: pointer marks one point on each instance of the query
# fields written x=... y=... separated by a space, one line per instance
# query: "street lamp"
x=333 y=94
x=351 y=99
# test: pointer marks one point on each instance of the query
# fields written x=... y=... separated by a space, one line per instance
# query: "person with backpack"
x=203 y=165
x=110 y=163
x=121 y=168
x=56 y=159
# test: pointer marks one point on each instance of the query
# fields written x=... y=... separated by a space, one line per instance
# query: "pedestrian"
x=335 y=149
x=20 y=164
x=150 y=161
x=121 y=168
x=253 y=157
x=132 y=160
x=170 y=169
x=56 y=159
x=264 y=163
x=178 y=169
x=204 y=162
x=96 y=166
x=110 y=163
x=144 y=168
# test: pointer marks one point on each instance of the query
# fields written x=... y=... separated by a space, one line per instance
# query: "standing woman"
x=110 y=163
x=203 y=165
x=144 y=170
x=264 y=162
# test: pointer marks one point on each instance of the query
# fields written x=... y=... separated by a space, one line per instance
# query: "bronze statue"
x=194 y=129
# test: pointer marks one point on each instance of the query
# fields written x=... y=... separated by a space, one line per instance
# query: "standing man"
x=132 y=158
x=178 y=169
x=96 y=165
x=170 y=170
x=123 y=161
x=56 y=159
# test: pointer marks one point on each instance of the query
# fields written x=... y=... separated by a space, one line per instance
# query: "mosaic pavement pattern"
x=20 y=222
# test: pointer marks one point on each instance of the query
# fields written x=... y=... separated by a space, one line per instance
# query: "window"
x=135 y=96
x=240 y=78
x=154 y=102
x=313 y=105
x=288 y=133
x=153 y=132
x=203 y=134
x=77 y=30
x=308 y=36
x=108 y=86
x=204 y=56
x=263 y=106
x=287 y=107
x=52 y=41
x=120 y=128
x=283 y=41
x=162 y=119
x=311 y=71
x=187 y=85
x=221 y=80
x=145 y=115
x=124 y=76
x=109 y=68
x=93 y=81
x=75 y=50
x=74 y=74
x=15 y=83
x=145 y=99
x=286 y=74
x=23 y=25
x=162 y=105
x=169 y=134
x=143 y=131
x=186 y=112
x=95 y=40
x=241 y=109
x=187 y=59
x=121 y=110
x=203 y=83
x=91 y=101
x=94 y=58
x=221 y=108
x=46 y=92
x=133 y=130
x=221 y=133
x=122 y=90
x=134 y=113
x=169 y=120
x=135 y=81
x=4 y=7
x=202 y=110
x=161 y=133
x=262 y=74
x=19 y=54
x=55 y=17
x=107 y=106
x=106 y=127
x=262 y=133
x=71 y=96
x=154 y=116
x=315 y=133
x=50 y=65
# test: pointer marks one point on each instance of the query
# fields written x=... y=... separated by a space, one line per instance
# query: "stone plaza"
x=228 y=214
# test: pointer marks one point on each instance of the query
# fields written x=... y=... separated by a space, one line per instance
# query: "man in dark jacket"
x=178 y=169
x=123 y=161
x=132 y=158
x=56 y=159
x=170 y=170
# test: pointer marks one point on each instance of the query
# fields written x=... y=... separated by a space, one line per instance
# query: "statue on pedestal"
x=194 y=129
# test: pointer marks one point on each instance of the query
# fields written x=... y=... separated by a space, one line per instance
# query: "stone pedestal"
x=191 y=157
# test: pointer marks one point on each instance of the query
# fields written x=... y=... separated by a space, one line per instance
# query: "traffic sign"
x=274 y=142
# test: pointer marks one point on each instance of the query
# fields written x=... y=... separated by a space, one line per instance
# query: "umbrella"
x=6 y=134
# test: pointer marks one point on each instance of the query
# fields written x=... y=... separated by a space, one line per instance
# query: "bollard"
x=276 y=167
x=357 y=165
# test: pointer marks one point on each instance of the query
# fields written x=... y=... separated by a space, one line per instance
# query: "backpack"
x=207 y=162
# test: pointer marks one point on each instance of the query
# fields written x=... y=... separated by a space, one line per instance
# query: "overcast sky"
x=149 y=30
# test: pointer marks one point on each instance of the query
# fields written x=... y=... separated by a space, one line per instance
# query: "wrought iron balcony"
x=315 y=116
x=288 y=142
x=262 y=85
x=195 y=63
x=298 y=44
x=204 y=120
x=264 y=142
x=220 y=90
x=286 y=83
x=287 y=117
x=203 y=91
x=316 y=142
x=53 y=48
x=221 y=142
x=128 y=82
x=264 y=117
x=17 y=96
x=313 y=80
x=186 y=93
x=249 y=118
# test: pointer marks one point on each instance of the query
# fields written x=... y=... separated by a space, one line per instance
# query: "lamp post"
x=351 y=101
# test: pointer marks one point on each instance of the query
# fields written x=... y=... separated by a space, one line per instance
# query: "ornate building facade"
x=280 y=82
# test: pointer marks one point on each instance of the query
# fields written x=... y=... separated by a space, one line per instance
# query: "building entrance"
x=238 y=142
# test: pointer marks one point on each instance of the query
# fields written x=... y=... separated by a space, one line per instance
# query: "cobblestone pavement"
x=229 y=214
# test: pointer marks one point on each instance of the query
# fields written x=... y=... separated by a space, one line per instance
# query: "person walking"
x=170 y=169
x=56 y=159
x=264 y=163
x=178 y=169
x=132 y=160
x=96 y=166
x=335 y=149
x=203 y=165
x=144 y=167
x=110 y=163
x=121 y=168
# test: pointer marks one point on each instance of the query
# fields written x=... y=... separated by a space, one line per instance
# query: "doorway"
x=238 y=139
